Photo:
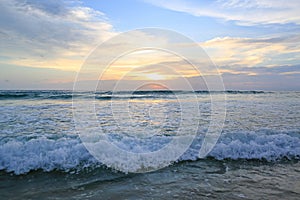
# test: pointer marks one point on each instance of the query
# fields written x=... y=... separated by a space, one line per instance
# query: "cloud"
x=264 y=81
x=254 y=52
x=57 y=35
x=242 y=11
x=51 y=34
x=288 y=70
x=257 y=63
x=146 y=63
x=244 y=56
x=23 y=77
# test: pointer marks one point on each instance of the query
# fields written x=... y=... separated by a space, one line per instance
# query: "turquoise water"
x=257 y=155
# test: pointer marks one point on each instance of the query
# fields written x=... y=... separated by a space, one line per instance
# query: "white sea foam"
x=264 y=144
x=67 y=153
x=21 y=157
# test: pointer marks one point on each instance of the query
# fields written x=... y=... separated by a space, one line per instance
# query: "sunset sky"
x=254 y=44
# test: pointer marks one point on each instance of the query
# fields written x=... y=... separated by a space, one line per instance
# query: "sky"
x=254 y=45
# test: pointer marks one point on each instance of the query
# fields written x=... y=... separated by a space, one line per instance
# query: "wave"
x=232 y=92
x=155 y=92
x=106 y=95
x=16 y=95
x=43 y=153
x=39 y=95
x=35 y=94
x=22 y=155
x=124 y=97
x=264 y=144
x=245 y=92
x=172 y=92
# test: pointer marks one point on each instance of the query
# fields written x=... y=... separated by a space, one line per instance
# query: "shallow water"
x=202 y=179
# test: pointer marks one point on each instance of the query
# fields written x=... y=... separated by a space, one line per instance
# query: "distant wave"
x=13 y=96
x=35 y=95
x=19 y=95
x=52 y=94
x=245 y=92
x=155 y=92
x=167 y=92
x=232 y=92
x=120 y=97
x=22 y=155
x=39 y=95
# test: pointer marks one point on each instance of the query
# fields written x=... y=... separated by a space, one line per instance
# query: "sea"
x=256 y=156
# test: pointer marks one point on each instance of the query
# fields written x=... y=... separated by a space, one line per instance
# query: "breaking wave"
x=21 y=155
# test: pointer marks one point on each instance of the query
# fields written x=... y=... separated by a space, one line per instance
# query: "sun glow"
x=155 y=77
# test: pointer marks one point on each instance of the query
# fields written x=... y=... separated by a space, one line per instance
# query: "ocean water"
x=256 y=156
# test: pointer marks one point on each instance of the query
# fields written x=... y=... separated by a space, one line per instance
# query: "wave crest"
x=21 y=156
